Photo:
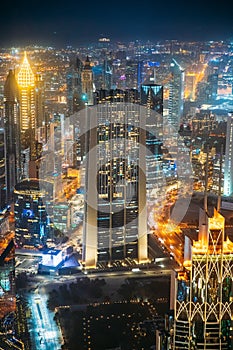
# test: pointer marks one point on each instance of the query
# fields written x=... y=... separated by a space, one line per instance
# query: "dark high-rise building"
x=12 y=134
x=176 y=96
x=87 y=82
x=202 y=92
x=39 y=101
x=32 y=221
x=116 y=95
x=104 y=96
x=139 y=74
x=212 y=87
x=2 y=170
x=151 y=96
x=131 y=71
x=107 y=75
x=74 y=87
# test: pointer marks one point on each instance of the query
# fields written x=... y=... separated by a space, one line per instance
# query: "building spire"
x=25 y=75
x=87 y=63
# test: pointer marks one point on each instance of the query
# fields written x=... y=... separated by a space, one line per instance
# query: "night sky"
x=80 y=22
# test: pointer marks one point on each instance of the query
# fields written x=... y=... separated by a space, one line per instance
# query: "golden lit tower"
x=204 y=304
x=26 y=82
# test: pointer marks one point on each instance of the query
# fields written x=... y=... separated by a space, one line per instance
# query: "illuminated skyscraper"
x=116 y=215
x=32 y=115
x=129 y=127
x=176 y=95
x=228 y=168
x=12 y=134
x=26 y=82
x=203 y=307
x=32 y=222
x=87 y=82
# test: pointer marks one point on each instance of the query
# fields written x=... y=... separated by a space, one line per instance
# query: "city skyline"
x=114 y=207
x=76 y=23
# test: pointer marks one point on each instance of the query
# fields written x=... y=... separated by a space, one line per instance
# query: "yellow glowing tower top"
x=26 y=82
x=26 y=77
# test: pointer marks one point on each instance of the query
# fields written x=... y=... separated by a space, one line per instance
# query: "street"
x=45 y=334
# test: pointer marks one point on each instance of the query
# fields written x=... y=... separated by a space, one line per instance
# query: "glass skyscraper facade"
x=176 y=95
x=124 y=150
x=74 y=86
x=117 y=181
x=32 y=222
x=116 y=220
x=151 y=96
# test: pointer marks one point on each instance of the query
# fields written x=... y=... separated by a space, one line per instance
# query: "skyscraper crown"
x=26 y=77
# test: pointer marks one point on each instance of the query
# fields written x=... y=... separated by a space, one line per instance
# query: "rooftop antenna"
x=220 y=180
x=206 y=179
